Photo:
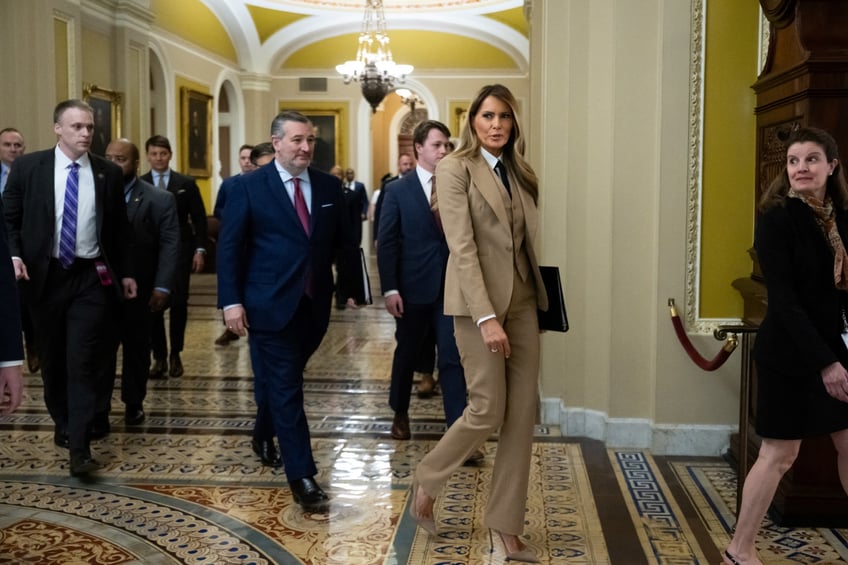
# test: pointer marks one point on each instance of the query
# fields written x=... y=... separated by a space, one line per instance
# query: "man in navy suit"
x=11 y=347
x=282 y=227
x=69 y=236
x=412 y=256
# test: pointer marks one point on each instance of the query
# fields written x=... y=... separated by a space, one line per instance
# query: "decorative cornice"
x=134 y=14
x=255 y=81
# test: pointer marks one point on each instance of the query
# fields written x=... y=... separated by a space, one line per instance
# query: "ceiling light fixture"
x=409 y=98
x=374 y=67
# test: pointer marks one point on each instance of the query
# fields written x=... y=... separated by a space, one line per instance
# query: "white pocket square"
x=326 y=205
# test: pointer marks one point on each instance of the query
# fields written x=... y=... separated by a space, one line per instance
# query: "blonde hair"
x=513 y=151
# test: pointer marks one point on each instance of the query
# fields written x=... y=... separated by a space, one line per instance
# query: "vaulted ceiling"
x=280 y=37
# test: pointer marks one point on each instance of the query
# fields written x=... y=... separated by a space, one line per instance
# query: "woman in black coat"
x=800 y=351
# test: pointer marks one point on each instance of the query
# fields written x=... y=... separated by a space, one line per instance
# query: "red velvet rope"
x=705 y=364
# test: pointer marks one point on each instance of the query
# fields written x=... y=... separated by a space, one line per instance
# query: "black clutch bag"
x=554 y=319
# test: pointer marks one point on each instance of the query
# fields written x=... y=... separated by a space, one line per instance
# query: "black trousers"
x=179 y=308
x=426 y=362
x=74 y=320
x=133 y=333
x=26 y=319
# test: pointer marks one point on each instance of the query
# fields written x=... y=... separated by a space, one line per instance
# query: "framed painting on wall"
x=330 y=121
x=458 y=111
x=106 y=105
x=195 y=133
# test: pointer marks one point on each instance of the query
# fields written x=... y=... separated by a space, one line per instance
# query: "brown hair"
x=513 y=152
x=836 y=187
x=157 y=141
x=422 y=130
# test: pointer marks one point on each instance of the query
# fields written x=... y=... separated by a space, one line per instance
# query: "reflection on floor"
x=186 y=488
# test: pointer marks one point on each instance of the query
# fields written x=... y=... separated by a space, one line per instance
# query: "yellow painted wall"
x=514 y=18
x=268 y=21
x=194 y=22
x=729 y=154
x=444 y=50
x=205 y=185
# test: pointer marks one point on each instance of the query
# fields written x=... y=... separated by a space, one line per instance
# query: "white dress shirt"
x=288 y=182
x=87 y=246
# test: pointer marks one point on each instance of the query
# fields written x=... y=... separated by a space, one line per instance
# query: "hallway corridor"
x=185 y=487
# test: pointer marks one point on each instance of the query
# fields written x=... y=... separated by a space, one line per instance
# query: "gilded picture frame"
x=330 y=121
x=106 y=105
x=195 y=133
x=458 y=112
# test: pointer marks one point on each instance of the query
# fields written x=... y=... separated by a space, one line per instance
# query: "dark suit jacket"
x=800 y=333
x=264 y=254
x=156 y=236
x=378 y=206
x=411 y=249
x=221 y=199
x=356 y=201
x=31 y=216
x=359 y=198
x=191 y=214
x=11 y=345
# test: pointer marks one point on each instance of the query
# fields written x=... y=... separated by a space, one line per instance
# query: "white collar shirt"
x=288 y=182
x=426 y=179
x=87 y=246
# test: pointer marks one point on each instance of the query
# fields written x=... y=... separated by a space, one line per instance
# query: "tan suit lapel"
x=531 y=218
x=488 y=186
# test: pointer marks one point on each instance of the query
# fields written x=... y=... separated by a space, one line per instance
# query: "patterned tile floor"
x=186 y=488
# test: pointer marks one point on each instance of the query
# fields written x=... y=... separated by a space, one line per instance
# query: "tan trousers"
x=502 y=394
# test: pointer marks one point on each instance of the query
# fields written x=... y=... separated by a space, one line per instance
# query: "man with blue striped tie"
x=69 y=236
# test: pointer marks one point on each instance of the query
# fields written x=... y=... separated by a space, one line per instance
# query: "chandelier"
x=374 y=67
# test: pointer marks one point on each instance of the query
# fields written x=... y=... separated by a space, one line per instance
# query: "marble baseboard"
x=637 y=433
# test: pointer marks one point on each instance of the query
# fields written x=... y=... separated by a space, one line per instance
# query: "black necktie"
x=501 y=170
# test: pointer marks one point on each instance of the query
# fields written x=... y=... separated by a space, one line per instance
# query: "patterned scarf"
x=826 y=219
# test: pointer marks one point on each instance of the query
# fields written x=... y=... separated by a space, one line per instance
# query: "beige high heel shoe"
x=524 y=555
x=427 y=523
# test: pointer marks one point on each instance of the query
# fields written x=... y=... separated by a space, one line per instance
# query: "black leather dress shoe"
x=134 y=415
x=60 y=438
x=400 y=426
x=159 y=370
x=309 y=495
x=267 y=452
x=176 y=367
x=226 y=337
x=82 y=464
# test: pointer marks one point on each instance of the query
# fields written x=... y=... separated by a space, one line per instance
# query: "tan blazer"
x=473 y=205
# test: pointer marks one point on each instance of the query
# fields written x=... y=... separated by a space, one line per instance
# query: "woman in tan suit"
x=487 y=195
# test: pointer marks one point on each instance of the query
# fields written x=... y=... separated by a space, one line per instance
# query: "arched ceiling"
x=288 y=36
